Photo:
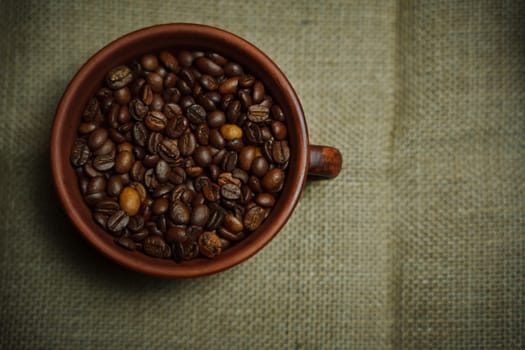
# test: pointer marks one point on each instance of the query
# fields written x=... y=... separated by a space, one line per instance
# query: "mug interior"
x=176 y=36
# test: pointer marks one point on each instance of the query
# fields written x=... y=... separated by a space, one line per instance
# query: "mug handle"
x=325 y=161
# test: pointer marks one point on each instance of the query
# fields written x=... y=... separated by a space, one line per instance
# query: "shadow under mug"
x=305 y=160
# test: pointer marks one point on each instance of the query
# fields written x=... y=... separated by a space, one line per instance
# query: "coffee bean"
x=246 y=157
x=232 y=69
x=97 y=138
x=150 y=160
x=229 y=86
x=279 y=130
x=258 y=113
x=258 y=92
x=168 y=60
x=162 y=191
x=119 y=77
x=177 y=250
x=246 y=98
x=230 y=161
x=177 y=233
x=230 y=236
x=155 y=81
x=196 y=114
x=177 y=175
x=231 y=132
x=91 y=110
x=232 y=223
x=104 y=162
x=187 y=144
x=116 y=136
x=273 y=181
x=154 y=139
x=199 y=215
x=126 y=242
x=140 y=134
x=136 y=223
x=107 y=207
x=246 y=81
x=162 y=170
x=149 y=62
x=209 y=244
x=176 y=126
x=129 y=200
x=100 y=219
x=179 y=212
x=155 y=121
x=86 y=128
x=207 y=66
x=202 y=133
x=234 y=111
x=146 y=94
x=137 y=171
x=124 y=162
x=202 y=156
x=215 y=217
x=108 y=147
x=156 y=247
x=266 y=200
x=117 y=222
x=259 y=166
x=160 y=206
x=253 y=133
x=80 y=153
x=253 y=218
x=122 y=96
x=255 y=184
x=230 y=191
x=211 y=192
x=137 y=109
x=157 y=104
x=280 y=151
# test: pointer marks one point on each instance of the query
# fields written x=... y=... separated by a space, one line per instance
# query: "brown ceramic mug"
x=306 y=159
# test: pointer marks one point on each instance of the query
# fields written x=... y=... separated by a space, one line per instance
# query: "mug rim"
x=296 y=174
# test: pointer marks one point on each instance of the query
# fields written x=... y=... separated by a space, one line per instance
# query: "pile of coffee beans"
x=181 y=154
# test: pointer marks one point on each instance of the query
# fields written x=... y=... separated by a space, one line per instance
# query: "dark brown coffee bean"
x=107 y=207
x=232 y=69
x=186 y=101
x=187 y=144
x=114 y=186
x=156 y=247
x=157 y=103
x=168 y=150
x=259 y=166
x=108 y=147
x=279 y=130
x=177 y=250
x=277 y=113
x=205 y=102
x=258 y=113
x=176 y=126
x=138 y=109
x=177 y=233
x=116 y=136
x=160 y=206
x=140 y=134
x=183 y=87
x=156 y=121
x=136 y=223
x=137 y=171
x=253 y=133
x=149 y=62
x=80 y=153
x=124 y=162
x=154 y=140
x=83 y=184
x=240 y=174
x=119 y=77
x=246 y=194
x=150 y=180
x=96 y=185
x=258 y=92
x=232 y=223
x=216 y=119
x=185 y=58
x=211 y=192
x=150 y=160
x=91 y=110
x=253 y=218
x=118 y=221
x=234 y=111
x=246 y=81
x=104 y=162
x=273 y=181
x=86 y=128
x=168 y=60
x=199 y=215
x=267 y=151
x=229 y=86
x=280 y=151
x=177 y=176
x=265 y=200
x=162 y=170
x=246 y=157
x=230 y=161
x=97 y=138
x=171 y=110
x=216 y=139
x=162 y=191
x=170 y=80
x=207 y=66
x=215 y=217
x=196 y=114
x=126 y=242
x=93 y=198
x=202 y=156
x=227 y=178
x=179 y=212
x=208 y=82
x=194 y=171
x=209 y=244
x=155 y=81
x=122 y=96
x=101 y=219
x=255 y=184
x=230 y=236
x=230 y=191
x=146 y=94
x=202 y=132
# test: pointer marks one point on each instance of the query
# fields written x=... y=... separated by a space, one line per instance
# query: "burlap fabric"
x=418 y=244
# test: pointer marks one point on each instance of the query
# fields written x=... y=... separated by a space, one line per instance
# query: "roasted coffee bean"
x=234 y=145
x=126 y=242
x=209 y=244
x=150 y=160
x=187 y=144
x=137 y=109
x=116 y=136
x=202 y=156
x=258 y=92
x=140 y=134
x=130 y=201
x=80 y=153
x=160 y=206
x=211 y=192
x=207 y=66
x=280 y=151
x=176 y=126
x=199 y=215
x=230 y=161
x=155 y=81
x=97 y=138
x=246 y=98
x=119 y=77
x=216 y=119
x=108 y=147
x=207 y=103
x=273 y=181
x=170 y=80
x=91 y=110
x=101 y=219
x=234 y=111
x=258 y=113
x=266 y=200
x=141 y=190
x=208 y=82
x=157 y=103
x=171 y=110
x=253 y=133
x=104 y=162
x=202 y=133
x=216 y=216
x=107 y=207
x=279 y=130
x=231 y=132
x=259 y=166
x=96 y=185
x=136 y=223
x=177 y=250
x=156 y=121
x=168 y=150
x=137 y=171
x=150 y=180
x=146 y=94
x=118 y=221
x=246 y=157
x=232 y=223
x=240 y=174
x=230 y=191
x=124 y=162
x=125 y=147
x=229 y=86
x=156 y=247
x=232 y=69
x=196 y=114
x=86 y=128
x=253 y=218
x=246 y=81
x=246 y=194
x=179 y=212
x=230 y=236
x=122 y=96
x=162 y=171
x=216 y=139
x=228 y=178
x=277 y=113
x=114 y=186
x=168 y=60
x=177 y=233
x=162 y=191
x=177 y=176
x=255 y=184
x=154 y=139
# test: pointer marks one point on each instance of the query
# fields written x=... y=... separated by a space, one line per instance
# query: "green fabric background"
x=418 y=244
